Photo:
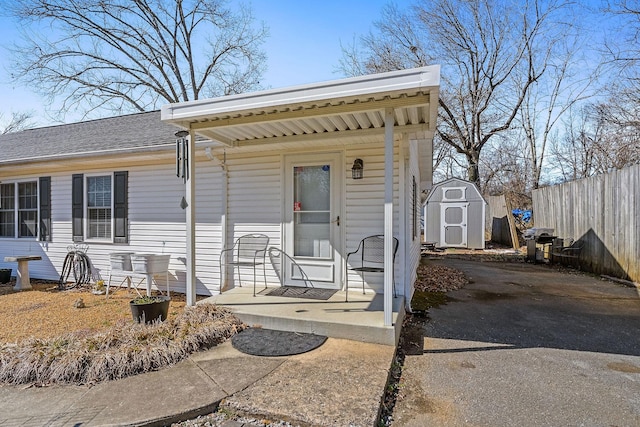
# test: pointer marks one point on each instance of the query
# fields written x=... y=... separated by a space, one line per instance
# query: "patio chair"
x=369 y=258
x=280 y=260
x=249 y=250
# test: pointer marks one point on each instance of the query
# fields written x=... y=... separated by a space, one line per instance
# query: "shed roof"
x=141 y=131
x=435 y=195
x=348 y=105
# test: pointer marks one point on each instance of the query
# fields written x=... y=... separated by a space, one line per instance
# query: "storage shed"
x=454 y=215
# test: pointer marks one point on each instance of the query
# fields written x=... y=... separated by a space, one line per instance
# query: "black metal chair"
x=369 y=258
x=249 y=250
x=280 y=260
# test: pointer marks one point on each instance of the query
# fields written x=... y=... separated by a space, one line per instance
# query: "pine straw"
x=124 y=350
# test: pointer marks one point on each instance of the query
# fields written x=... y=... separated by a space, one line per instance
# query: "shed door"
x=312 y=221
x=453 y=232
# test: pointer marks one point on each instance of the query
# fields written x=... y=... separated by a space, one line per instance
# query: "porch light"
x=357 y=169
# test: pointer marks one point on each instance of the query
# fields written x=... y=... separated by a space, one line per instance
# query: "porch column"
x=190 y=197
x=388 y=216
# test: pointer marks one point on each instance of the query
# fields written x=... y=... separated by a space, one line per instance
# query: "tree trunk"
x=473 y=170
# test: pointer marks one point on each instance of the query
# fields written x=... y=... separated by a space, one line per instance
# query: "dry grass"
x=46 y=312
x=46 y=340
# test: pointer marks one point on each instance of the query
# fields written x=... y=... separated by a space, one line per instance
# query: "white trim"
x=463 y=224
x=16 y=203
x=85 y=207
x=402 y=220
x=394 y=81
x=463 y=191
x=388 y=216
x=224 y=238
x=190 y=197
x=336 y=161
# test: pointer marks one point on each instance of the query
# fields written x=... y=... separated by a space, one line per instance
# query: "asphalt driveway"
x=525 y=345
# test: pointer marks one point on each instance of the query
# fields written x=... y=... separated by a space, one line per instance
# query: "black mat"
x=268 y=342
x=300 y=292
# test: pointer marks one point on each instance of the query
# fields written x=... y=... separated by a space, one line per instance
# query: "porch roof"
x=349 y=106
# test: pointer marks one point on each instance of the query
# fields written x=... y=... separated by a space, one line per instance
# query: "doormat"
x=300 y=292
x=268 y=342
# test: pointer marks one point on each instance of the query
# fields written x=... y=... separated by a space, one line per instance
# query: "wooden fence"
x=602 y=213
x=499 y=222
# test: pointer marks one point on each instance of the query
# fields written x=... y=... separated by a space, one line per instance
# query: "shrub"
x=124 y=350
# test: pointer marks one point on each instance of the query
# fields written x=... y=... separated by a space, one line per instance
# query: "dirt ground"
x=46 y=312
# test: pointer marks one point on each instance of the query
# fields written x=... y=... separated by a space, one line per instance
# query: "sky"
x=303 y=47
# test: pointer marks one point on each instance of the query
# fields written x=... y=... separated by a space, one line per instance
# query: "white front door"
x=312 y=220
x=453 y=217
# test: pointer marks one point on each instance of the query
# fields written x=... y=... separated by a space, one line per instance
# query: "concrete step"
x=359 y=319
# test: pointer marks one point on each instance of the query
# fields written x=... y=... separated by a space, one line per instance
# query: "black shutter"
x=77 y=206
x=120 y=206
x=45 y=208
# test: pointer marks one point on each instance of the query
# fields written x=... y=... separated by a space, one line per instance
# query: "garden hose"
x=78 y=263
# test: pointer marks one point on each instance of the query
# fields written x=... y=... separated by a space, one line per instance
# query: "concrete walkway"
x=524 y=345
x=339 y=383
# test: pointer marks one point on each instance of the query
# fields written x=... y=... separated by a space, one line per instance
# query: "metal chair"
x=370 y=259
x=280 y=260
x=249 y=250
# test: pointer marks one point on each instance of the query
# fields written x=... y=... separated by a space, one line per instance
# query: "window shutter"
x=77 y=206
x=45 y=208
x=120 y=206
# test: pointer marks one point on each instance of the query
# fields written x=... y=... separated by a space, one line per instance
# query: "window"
x=19 y=209
x=28 y=209
x=99 y=207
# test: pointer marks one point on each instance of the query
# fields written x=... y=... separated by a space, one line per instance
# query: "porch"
x=359 y=319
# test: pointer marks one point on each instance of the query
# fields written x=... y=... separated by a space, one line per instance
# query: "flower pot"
x=149 y=312
x=5 y=275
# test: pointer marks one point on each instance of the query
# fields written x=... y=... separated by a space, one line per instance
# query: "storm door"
x=312 y=221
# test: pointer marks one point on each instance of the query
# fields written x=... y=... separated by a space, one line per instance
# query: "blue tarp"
x=524 y=215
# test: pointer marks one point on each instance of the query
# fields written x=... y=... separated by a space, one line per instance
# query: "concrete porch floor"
x=359 y=319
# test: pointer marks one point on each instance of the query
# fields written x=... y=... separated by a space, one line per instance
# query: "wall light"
x=357 y=169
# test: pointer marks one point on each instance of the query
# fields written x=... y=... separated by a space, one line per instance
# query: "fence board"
x=603 y=214
x=499 y=221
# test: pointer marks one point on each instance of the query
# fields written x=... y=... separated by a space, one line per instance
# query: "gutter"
x=86 y=154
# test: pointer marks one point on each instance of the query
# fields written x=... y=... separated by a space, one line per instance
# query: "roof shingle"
x=133 y=131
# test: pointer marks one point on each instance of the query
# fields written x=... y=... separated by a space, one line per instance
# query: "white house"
x=112 y=182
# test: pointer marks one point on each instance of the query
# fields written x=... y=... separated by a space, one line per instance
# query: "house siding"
x=254 y=202
x=156 y=225
x=364 y=206
x=254 y=205
x=414 y=243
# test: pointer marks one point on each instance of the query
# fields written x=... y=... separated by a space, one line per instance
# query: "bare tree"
x=624 y=49
x=598 y=138
x=565 y=84
x=605 y=134
x=17 y=122
x=134 y=55
x=575 y=155
x=491 y=52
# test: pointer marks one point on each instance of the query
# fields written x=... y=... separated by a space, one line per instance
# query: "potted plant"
x=5 y=275
x=148 y=309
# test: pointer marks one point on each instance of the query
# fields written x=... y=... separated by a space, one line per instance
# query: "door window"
x=312 y=211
